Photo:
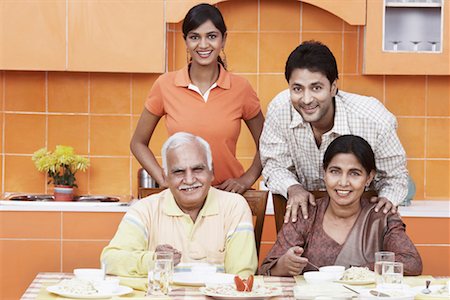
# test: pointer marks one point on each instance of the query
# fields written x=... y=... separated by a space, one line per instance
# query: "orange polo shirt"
x=218 y=120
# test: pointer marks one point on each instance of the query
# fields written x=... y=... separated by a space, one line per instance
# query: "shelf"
x=413 y=4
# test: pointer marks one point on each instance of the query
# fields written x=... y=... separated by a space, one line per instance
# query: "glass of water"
x=392 y=275
x=380 y=258
x=160 y=274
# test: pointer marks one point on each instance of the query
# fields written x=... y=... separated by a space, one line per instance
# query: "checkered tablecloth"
x=45 y=279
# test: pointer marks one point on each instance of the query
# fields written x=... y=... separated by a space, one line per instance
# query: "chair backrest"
x=279 y=205
x=257 y=201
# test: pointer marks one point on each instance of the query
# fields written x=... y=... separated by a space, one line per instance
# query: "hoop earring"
x=188 y=57
x=224 y=58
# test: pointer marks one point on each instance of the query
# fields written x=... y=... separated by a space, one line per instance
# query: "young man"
x=303 y=120
x=195 y=221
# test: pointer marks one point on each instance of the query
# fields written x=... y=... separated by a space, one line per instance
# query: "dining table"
x=37 y=290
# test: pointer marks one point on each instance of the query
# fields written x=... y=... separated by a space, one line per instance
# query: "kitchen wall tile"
x=142 y=84
x=19 y=268
x=264 y=250
x=269 y=86
x=2 y=77
x=2 y=116
x=241 y=15
x=181 y=56
x=70 y=130
x=411 y=132
x=372 y=86
x=81 y=254
x=317 y=19
x=435 y=259
x=269 y=231
x=438 y=138
x=361 y=50
x=416 y=169
x=272 y=57
x=280 y=15
x=68 y=92
x=82 y=180
x=110 y=135
x=135 y=166
x=332 y=40
x=78 y=225
x=348 y=27
x=350 y=57
x=24 y=133
x=245 y=145
x=170 y=48
x=242 y=52
x=420 y=234
x=438 y=96
x=24 y=91
x=22 y=176
x=32 y=225
x=437 y=179
x=110 y=93
x=405 y=95
x=110 y=176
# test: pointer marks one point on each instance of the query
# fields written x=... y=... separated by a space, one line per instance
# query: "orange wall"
x=97 y=112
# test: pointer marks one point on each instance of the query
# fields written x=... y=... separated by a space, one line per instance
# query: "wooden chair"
x=279 y=205
x=257 y=200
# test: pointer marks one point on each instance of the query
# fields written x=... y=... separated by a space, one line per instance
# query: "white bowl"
x=337 y=271
x=313 y=277
x=89 y=274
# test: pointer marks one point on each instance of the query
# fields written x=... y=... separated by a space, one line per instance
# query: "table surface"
x=44 y=279
x=181 y=292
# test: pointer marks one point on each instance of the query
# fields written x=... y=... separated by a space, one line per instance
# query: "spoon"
x=313 y=265
x=426 y=290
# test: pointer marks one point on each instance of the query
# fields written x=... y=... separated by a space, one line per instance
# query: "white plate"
x=258 y=294
x=57 y=289
x=201 y=279
x=357 y=282
x=433 y=294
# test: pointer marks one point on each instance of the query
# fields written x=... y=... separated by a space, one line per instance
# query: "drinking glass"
x=380 y=258
x=392 y=275
x=160 y=276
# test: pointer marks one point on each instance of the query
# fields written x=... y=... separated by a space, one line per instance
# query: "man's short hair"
x=182 y=138
x=313 y=56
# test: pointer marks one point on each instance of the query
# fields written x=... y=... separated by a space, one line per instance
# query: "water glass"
x=160 y=276
x=392 y=275
x=380 y=258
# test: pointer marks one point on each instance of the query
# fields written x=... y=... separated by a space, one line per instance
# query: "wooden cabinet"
x=32 y=35
x=406 y=37
x=116 y=36
x=104 y=36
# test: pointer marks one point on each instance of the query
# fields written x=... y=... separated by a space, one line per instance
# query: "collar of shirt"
x=197 y=90
x=340 y=125
x=171 y=208
x=182 y=78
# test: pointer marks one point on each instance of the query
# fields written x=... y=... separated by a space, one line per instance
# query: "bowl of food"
x=89 y=274
x=337 y=271
x=314 y=277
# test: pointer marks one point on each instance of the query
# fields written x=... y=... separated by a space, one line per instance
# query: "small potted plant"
x=61 y=166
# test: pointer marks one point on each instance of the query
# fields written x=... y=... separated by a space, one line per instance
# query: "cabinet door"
x=116 y=36
x=32 y=35
x=411 y=55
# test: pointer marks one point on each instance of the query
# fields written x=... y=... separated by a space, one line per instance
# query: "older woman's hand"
x=291 y=263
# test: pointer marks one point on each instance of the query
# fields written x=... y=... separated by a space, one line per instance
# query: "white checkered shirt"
x=289 y=153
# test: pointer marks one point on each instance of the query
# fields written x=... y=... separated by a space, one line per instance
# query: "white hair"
x=182 y=138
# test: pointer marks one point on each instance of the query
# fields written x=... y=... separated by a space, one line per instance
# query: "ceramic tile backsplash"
x=97 y=112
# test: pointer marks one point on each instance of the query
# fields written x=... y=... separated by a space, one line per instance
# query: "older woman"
x=344 y=228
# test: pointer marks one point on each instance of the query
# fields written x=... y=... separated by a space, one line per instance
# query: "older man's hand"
x=291 y=263
x=298 y=197
x=169 y=248
x=382 y=201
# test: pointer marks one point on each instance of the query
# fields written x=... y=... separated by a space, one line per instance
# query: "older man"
x=191 y=218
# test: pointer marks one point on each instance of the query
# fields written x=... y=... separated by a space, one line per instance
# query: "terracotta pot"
x=63 y=193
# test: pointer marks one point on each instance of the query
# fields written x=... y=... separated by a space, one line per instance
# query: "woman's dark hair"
x=200 y=14
x=355 y=145
x=313 y=56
